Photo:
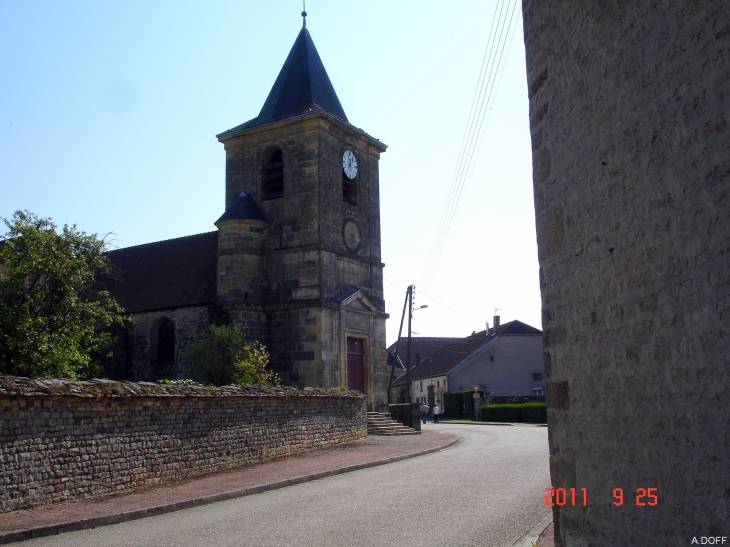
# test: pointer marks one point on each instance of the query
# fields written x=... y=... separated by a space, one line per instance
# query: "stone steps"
x=380 y=423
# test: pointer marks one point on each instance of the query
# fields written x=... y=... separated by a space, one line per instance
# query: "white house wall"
x=419 y=389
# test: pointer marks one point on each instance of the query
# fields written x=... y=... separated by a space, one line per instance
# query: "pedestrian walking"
x=436 y=413
x=424 y=412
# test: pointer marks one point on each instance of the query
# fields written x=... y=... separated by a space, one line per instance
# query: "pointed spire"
x=302 y=85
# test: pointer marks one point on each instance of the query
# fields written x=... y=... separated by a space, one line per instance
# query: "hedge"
x=454 y=402
x=451 y=407
x=533 y=413
x=467 y=398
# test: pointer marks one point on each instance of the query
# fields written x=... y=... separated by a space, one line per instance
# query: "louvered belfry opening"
x=272 y=176
x=349 y=189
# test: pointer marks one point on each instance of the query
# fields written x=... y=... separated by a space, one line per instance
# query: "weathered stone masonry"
x=62 y=440
x=629 y=105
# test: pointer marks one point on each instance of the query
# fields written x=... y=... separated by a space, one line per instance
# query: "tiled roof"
x=518 y=327
x=448 y=356
x=421 y=346
x=166 y=274
x=302 y=86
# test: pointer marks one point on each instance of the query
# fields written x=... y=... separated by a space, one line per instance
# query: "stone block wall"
x=629 y=106
x=295 y=344
x=334 y=212
x=62 y=440
x=241 y=273
x=190 y=322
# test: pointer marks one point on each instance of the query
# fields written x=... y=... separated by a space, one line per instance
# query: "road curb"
x=508 y=424
x=107 y=520
x=503 y=424
x=530 y=538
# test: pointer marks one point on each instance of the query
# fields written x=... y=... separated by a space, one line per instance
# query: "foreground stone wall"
x=629 y=105
x=62 y=440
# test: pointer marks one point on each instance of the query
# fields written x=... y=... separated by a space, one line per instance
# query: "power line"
x=465 y=138
x=452 y=309
x=487 y=85
x=437 y=301
x=475 y=131
x=464 y=144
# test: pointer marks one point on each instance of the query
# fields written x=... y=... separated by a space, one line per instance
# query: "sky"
x=109 y=111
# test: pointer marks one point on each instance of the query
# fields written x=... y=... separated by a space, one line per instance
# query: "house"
x=421 y=347
x=506 y=360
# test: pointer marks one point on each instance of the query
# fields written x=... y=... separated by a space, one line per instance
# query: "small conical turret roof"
x=244 y=208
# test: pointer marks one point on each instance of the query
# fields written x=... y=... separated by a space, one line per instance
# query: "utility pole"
x=395 y=353
x=408 y=357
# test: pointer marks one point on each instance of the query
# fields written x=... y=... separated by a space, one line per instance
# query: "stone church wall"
x=629 y=106
x=189 y=324
x=62 y=440
x=295 y=345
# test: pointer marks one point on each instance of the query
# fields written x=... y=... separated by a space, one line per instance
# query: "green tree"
x=55 y=319
x=224 y=357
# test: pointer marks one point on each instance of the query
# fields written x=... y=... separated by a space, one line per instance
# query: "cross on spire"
x=304 y=14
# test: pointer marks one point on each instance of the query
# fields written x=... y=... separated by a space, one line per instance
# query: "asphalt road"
x=487 y=491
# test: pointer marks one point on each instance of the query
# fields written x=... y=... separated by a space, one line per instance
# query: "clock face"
x=351 y=235
x=349 y=164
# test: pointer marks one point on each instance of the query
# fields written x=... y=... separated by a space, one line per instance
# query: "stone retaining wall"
x=63 y=440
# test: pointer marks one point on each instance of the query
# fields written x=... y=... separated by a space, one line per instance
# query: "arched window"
x=272 y=175
x=166 y=342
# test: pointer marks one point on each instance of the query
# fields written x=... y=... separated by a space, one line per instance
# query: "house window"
x=166 y=342
x=491 y=358
x=437 y=383
x=537 y=391
x=537 y=375
x=272 y=175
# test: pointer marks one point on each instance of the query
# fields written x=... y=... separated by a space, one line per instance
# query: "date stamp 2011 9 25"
x=644 y=497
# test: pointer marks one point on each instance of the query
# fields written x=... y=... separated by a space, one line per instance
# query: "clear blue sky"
x=109 y=111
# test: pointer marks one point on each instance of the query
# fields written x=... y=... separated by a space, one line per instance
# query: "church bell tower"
x=299 y=261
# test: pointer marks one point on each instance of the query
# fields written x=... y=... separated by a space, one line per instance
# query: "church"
x=295 y=257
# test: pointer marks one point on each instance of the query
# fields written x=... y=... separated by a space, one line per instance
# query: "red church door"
x=356 y=364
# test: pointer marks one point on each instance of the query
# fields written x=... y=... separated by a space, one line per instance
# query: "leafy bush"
x=178 y=382
x=224 y=357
